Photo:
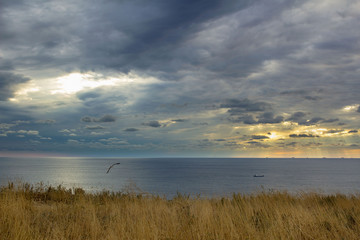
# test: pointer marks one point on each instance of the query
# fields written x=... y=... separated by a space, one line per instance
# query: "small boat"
x=256 y=175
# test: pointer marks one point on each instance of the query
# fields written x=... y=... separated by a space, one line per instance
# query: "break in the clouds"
x=253 y=78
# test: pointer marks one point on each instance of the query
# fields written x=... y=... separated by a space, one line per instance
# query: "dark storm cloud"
x=106 y=118
x=8 y=82
x=149 y=39
x=121 y=35
x=154 y=124
x=353 y=131
x=131 y=130
x=158 y=36
x=358 y=110
x=245 y=105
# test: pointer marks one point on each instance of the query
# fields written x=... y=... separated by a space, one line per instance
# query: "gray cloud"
x=300 y=118
x=88 y=95
x=105 y=119
x=121 y=35
x=220 y=140
x=312 y=98
x=201 y=124
x=179 y=120
x=246 y=119
x=291 y=144
x=358 y=110
x=86 y=119
x=330 y=120
x=259 y=137
x=154 y=124
x=97 y=127
x=294 y=92
x=302 y=135
x=297 y=117
x=302 y=93
x=131 y=129
x=353 y=131
x=269 y=117
x=256 y=144
x=46 y=121
x=335 y=130
x=8 y=82
x=314 y=120
x=242 y=106
x=264 y=118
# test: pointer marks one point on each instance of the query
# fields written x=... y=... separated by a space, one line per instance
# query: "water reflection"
x=194 y=176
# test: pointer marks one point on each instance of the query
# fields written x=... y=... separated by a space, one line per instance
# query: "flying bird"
x=112 y=166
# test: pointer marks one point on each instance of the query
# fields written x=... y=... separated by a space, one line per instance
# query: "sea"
x=204 y=177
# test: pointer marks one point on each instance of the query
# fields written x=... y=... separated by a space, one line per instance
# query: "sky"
x=180 y=78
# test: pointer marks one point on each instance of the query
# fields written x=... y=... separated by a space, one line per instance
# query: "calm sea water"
x=204 y=176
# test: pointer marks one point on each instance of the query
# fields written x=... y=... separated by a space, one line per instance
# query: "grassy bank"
x=41 y=212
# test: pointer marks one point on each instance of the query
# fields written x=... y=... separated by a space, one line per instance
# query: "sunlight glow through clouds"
x=23 y=92
x=42 y=89
x=273 y=136
x=350 y=107
x=76 y=82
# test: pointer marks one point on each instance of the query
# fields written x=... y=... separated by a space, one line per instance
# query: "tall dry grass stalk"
x=44 y=212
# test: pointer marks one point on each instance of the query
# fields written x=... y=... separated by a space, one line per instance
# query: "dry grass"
x=42 y=212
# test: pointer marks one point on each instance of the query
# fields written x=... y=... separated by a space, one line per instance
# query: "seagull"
x=112 y=166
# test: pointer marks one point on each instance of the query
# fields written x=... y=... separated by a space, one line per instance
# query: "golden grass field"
x=44 y=212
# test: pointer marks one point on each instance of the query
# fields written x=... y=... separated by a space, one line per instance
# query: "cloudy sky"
x=211 y=78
